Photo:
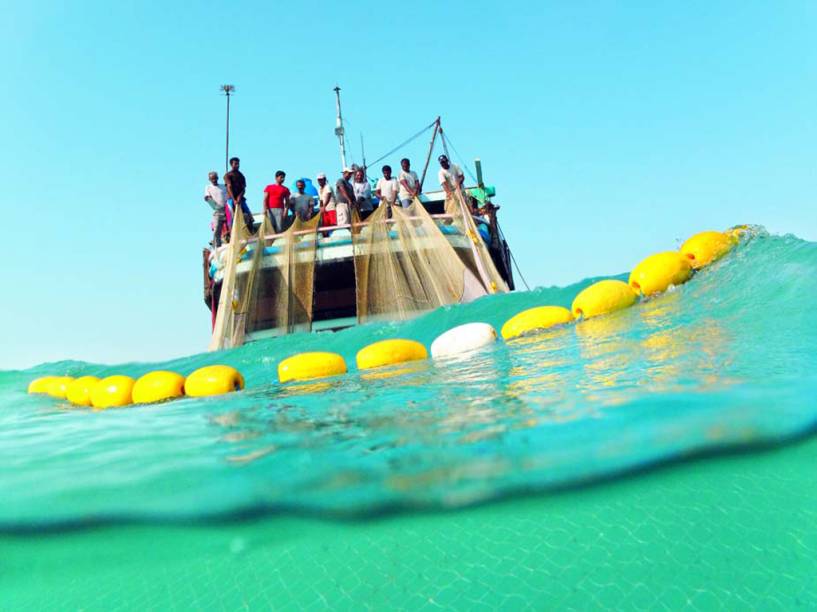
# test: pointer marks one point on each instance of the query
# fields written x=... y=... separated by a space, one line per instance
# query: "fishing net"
x=280 y=297
x=477 y=256
x=267 y=282
x=228 y=330
x=405 y=264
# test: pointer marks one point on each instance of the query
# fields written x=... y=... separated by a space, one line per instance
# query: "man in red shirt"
x=276 y=201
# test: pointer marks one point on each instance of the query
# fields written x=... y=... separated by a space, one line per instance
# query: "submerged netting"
x=267 y=282
x=405 y=265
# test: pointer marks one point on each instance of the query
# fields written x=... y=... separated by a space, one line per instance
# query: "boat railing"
x=331 y=228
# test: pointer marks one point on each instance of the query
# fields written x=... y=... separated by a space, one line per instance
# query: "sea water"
x=659 y=457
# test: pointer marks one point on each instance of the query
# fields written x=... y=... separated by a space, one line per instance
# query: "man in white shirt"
x=387 y=188
x=409 y=183
x=450 y=175
x=216 y=196
x=327 y=202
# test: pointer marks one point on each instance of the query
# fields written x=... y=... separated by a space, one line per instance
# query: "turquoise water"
x=658 y=457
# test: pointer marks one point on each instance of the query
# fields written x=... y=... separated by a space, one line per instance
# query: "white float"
x=462 y=339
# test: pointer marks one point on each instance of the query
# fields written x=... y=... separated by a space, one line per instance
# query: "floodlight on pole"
x=228 y=90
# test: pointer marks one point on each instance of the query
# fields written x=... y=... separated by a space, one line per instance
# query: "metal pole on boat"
x=437 y=128
x=363 y=154
x=227 y=89
x=339 y=129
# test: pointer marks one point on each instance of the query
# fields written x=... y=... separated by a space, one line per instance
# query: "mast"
x=437 y=128
x=339 y=129
x=227 y=89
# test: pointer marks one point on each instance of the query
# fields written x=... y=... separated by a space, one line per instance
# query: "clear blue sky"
x=611 y=130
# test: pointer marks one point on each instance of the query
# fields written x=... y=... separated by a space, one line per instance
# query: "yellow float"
x=40 y=385
x=657 y=272
x=58 y=386
x=389 y=352
x=79 y=391
x=213 y=380
x=112 y=391
x=158 y=386
x=533 y=319
x=308 y=366
x=704 y=248
x=602 y=297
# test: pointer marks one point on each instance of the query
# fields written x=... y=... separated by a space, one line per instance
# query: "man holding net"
x=387 y=188
x=409 y=183
x=450 y=176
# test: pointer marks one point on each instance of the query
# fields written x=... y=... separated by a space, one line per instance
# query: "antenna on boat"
x=339 y=129
x=363 y=154
x=227 y=89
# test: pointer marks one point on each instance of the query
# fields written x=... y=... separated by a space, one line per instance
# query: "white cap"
x=321 y=175
x=347 y=169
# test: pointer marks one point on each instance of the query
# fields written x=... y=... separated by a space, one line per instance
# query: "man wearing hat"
x=345 y=194
x=327 y=202
x=450 y=175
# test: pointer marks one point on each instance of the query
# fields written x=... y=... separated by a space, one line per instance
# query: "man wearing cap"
x=216 y=196
x=276 y=201
x=345 y=194
x=450 y=175
x=327 y=202
x=409 y=183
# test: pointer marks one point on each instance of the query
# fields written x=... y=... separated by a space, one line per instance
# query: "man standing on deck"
x=387 y=187
x=276 y=202
x=327 y=202
x=409 y=184
x=236 y=188
x=450 y=175
x=216 y=196
x=301 y=202
x=345 y=194
x=363 y=194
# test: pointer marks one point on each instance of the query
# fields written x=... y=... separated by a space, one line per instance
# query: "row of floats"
x=652 y=276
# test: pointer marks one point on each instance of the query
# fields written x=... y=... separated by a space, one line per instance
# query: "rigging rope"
x=513 y=259
x=403 y=144
x=516 y=265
